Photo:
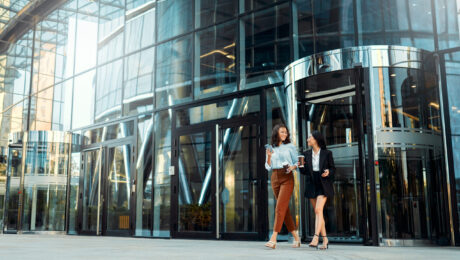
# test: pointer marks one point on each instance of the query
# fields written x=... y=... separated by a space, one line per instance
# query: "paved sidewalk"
x=87 y=247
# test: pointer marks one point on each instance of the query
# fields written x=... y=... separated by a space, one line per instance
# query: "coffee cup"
x=301 y=161
x=286 y=166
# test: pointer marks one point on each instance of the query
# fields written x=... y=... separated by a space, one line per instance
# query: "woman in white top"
x=319 y=170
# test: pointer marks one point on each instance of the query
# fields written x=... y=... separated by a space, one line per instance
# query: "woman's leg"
x=319 y=207
x=314 y=241
x=276 y=186
x=323 y=228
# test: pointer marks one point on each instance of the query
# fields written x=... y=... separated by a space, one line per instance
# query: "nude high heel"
x=271 y=244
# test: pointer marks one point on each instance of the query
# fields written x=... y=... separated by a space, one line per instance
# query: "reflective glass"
x=45 y=182
x=264 y=51
x=456 y=159
x=237 y=107
x=249 y=5
x=109 y=132
x=174 y=18
x=452 y=65
x=3 y=177
x=90 y=201
x=86 y=35
x=162 y=179
x=62 y=106
x=83 y=100
x=174 y=72
x=12 y=195
x=108 y=91
x=118 y=188
x=111 y=30
x=138 y=82
x=215 y=61
x=447 y=20
x=238 y=194
x=410 y=99
x=195 y=203
x=209 y=12
x=140 y=30
x=144 y=178
x=74 y=189
x=304 y=27
x=334 y=24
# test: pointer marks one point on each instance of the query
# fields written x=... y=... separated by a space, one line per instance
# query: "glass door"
x=193 y=198
x=117 y=191
x=239 y=192
x=90 y=194
x=14 y=172
x=332 y=107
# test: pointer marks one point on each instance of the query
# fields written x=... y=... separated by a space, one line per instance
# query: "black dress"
x=315 y=184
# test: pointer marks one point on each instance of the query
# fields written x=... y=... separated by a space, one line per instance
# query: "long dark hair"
x=276 y=136
x=319 y=139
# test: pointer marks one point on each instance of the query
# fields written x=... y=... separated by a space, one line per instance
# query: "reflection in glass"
x=138 y=82
x=109 y=132
x=215 y=61
x=195 y=200
x=92 y=171
x=111 y=23
x=12 y=195
x=74 y=189
x=45 y=182
x=264 y=51
x=174 y=18
x=140 y=30
x=237 y=107
x=174 y=72
x=118 y=188
x=238 y=188
x=144 y=179
x=108 y=91
x=162 y=179
x=210 y=12
x=86 y=35
x=83 y=100
x=3 y=177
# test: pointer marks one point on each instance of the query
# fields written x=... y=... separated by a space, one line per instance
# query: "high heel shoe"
x=296 y=244
x=325 y=245
x=315 y=246
x=271 y=244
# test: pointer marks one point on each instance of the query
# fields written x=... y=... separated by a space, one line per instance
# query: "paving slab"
x=91 y=247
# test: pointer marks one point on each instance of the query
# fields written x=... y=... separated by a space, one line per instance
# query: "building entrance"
x=216 y=180
x=333 y=104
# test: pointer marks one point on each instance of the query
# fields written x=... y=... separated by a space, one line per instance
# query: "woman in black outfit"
x=319 y=170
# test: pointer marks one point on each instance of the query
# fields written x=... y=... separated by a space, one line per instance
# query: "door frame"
x=361 y=115
x=215 y=127
x=102 y=193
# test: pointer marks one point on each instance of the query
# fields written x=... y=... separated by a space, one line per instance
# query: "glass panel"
x=12 y=196
x=144 y=176
x=118 y=188
x=334 y=24
x=45 y=182
x=83 y=100
x=162 y=179
x=174 y=72
x=174 y=17
x=140 y=30
x=62 y=106
x=249 y=5
x=111 y=24
x=86 y=35
x=447 y=21
x=91 y=178
x=109 y=132
x=195 y=171
x=209 y=12
x=108 y=91
x=264 y=47
x=238 y=194
x=74 y=189
x=237 y=107
x=215 y=61
x=138 y=82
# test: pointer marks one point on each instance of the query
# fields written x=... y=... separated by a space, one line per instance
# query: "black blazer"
x=326 y=161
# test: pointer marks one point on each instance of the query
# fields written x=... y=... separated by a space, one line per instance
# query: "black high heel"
x=315 y=246
x=327 y=245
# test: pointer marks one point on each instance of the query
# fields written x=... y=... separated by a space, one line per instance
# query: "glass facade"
x=145 y=82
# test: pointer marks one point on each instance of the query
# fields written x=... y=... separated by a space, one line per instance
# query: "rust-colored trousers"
x=282 y=185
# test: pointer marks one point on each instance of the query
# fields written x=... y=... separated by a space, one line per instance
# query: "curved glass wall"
x=37 y=181
x=404 y=128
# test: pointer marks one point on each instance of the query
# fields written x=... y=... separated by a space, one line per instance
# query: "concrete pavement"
x=90 y=247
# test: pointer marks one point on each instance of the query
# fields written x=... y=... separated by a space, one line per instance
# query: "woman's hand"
x=325 y=173
x=291 y=168
x=269 y=153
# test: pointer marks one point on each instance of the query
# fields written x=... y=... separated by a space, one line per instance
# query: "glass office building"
x=148 y=118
